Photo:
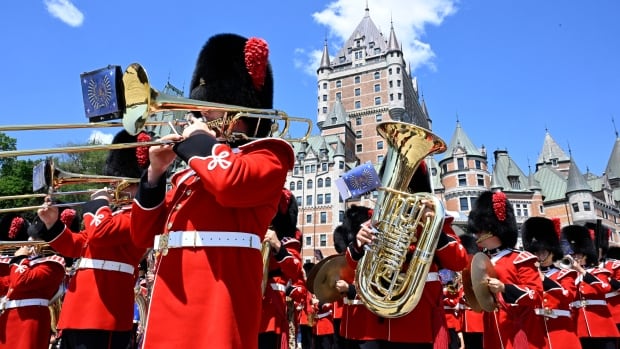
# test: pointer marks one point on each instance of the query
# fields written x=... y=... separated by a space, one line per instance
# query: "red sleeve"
x=25 y=277
x=291 y=265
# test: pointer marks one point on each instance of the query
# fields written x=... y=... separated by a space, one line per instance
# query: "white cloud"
x=410 y=19
x=99 y=137
x=65 y=11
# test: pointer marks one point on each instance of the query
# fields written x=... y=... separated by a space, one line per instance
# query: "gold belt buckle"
x=584 y=302
x=162 y=247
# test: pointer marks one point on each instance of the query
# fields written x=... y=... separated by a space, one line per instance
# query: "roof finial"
x=457 y=117
x=570 y=152
x=367 y=9
x=614 y=123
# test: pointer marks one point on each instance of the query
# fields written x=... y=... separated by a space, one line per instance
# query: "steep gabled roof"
x=507 y=174
x=461 y=140
x=551 y=150
x=552 y=182
x=336 y=116
x=368 y=32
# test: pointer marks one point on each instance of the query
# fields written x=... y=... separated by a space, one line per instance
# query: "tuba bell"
x=399 y=219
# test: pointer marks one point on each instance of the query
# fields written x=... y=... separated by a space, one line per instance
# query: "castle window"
x=323 y=238
x=323 y=217
x=309 y=184
x=460 y=163
x=319 y=183
x=478 y=164
x=379 y=145
x=377 y=75
x=328 y=198
x=400 y=96
x=358 y=134
x=390 y=71
x=324 y=110
x=308 y=240
x=575 y=207
x=299 y=185
x=298 y=199
x=378 y=117
x=325 y=86
x=391 y=96
x=377 y=50
x=380 y=158
x=340 y=216
x=480 y=180
x=292 y=186
x=357 y=79
x=377 y=100
x=554 y=162
x=586 y=206
x=358 y=104
x=338 y=83
x=319 y=199
x=328 y=182
x=358 y=120
x=343 y=59
x=338 y=96
x=398 y=70
x=324 y=98
x=397 y=83
x=358 y=91
x=377 y=87
x=358 y=54
x=514 y=182
x=359 y=148
x=391 y=84
x=464 y=204
x=462 y=180
x=309 y=201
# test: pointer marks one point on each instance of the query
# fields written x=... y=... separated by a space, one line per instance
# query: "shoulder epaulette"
x=53 y=258
x=564 y=272
x=524 y=256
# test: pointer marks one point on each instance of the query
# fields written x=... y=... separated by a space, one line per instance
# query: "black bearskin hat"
x=284 y=223
x=345 y=233
x=128 y=162
x=66 y=215
x=600 y=235
x=494 y=214
x=469 y=242
x=581 y=242
x=420 y=181
x=235 y=70
x=613 y=253
x=541 y=234
x=14 y=227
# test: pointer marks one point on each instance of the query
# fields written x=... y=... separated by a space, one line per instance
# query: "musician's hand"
x=23 y=251
x=365 y=235
x=196 y=125
x=273 y=240
x=495 y=286
x=429 y=209
x=101 y=194
x=342 y=286
x=161 y=157
x=48 y=213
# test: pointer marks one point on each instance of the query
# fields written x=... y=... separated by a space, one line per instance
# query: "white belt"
x=432 y=276
x=278 y=287
x=612 y=294
x=348 y=301
x=455 y=308
x=552 y=313
x=87 y=263
x=176 y=239
x=322 y=315
x=18 y=303
x=586 y=302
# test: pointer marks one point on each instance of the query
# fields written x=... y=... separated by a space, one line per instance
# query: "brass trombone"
x=141 y=101
x=8 y=248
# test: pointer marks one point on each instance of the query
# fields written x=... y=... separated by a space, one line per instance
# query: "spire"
x=393 y=42
x=339 y=148
x=613 y=164
x=576 y=181
x=325 y=57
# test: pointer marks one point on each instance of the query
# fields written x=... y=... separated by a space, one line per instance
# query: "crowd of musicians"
x=181 y=264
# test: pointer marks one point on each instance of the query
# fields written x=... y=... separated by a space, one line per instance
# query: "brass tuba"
x=399 y=219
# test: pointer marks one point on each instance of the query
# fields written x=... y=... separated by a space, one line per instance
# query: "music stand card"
x=103 y=93
x=358 y=181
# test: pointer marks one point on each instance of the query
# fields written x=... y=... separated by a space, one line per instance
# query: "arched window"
x=328 y=182
x=309 y=184
x=292 y=186
x=319 y=183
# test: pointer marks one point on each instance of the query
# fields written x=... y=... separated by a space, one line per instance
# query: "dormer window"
x=514 y=182
x=554 y=162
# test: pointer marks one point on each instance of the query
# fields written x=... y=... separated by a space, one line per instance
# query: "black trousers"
x=392 y=345
x=95 y=339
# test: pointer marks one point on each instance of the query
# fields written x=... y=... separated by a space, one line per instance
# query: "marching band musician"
x=209 y=226
x=428 y=315
x=27 y=289
x=107 y=271
x=541 y=237
x=307 y=314
x=595 y=325
x=324 y=327
x=453 y=293
x=518 y=287
x=354 y=313
x=284 y=270
x=472 y=325
x=611 y=262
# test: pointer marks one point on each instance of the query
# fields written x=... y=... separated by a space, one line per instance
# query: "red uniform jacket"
x=594 y=320
x=613 y=297
x=559 y=292
x=28 y=327
x=324 y=319
x=284 y=269
x=452 y=308
x=210 y=296
x=108 y=295
x=428 y=315
x=515 y=323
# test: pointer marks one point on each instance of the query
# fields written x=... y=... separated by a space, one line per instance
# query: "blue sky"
x=508 y=70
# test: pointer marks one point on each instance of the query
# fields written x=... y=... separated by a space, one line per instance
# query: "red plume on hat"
x=13 y=227
x=499 y=205
x=128 y=162
x=557 y=225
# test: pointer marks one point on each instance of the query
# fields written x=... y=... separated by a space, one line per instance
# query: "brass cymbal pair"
x=475 y=283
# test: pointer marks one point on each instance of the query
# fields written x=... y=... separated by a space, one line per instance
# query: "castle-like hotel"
x=367 y=81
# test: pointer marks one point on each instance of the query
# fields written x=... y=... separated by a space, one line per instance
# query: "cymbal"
x=324 y=282
x=481 y=270
x=312 y=274
x=468 y=289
